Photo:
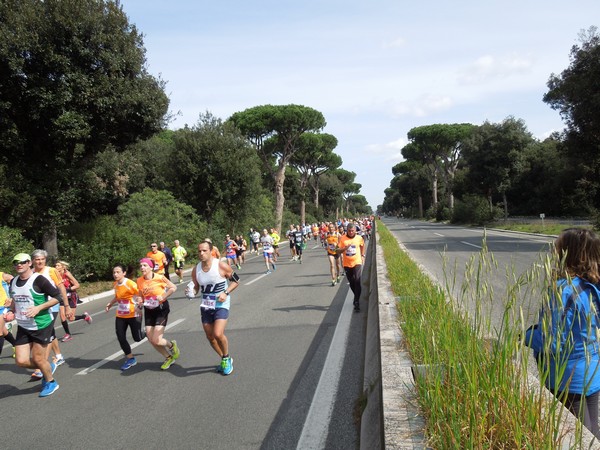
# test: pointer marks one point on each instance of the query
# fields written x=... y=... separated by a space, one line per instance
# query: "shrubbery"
x=11 y=243
x=94 y=247
x=475 y=210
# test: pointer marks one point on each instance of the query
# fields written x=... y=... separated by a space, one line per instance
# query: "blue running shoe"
x=128 y=364
x=49 y=388
x=267 y=272
x=53 y=367
x=274 y=267
x=227 y=365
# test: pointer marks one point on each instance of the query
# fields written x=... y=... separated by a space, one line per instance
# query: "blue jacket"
x=568 y=333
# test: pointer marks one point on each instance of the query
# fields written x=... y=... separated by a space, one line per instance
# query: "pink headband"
x=147 y=261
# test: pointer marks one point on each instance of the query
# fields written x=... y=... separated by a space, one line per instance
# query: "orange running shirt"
x=332 y=242
x=352 y=256
x=124 y=294
x=158 y=259
x=152 y=288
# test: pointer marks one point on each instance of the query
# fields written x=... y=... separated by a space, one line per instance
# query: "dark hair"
x=579 y=253
x=122 y=266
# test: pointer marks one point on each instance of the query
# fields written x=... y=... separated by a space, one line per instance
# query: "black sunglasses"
x=16 y=263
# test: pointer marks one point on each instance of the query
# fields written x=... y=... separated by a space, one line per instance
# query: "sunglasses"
x=153 y=246
x=16 y=263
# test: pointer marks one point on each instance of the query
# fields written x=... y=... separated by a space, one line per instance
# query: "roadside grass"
x=473 y=391
x=537 y=228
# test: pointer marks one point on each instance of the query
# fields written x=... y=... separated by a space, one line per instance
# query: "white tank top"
x=211 y=285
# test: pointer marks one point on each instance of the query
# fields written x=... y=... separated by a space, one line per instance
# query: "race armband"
x=234 y=278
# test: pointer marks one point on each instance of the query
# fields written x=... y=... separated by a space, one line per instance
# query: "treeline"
x=89 y=171
x=478 y=173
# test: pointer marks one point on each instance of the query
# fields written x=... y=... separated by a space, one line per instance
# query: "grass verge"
x=473 y=394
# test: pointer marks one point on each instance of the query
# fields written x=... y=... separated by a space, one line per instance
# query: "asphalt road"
x=451 y=254
x=280 y=330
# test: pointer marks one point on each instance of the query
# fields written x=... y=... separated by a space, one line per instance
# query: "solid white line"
x=438 y=234
x=119 y=353
x=472 y=245
x=314 y=432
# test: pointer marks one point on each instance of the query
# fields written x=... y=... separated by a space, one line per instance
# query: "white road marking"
x=120 y=353
x=314 y=432
x=438 y=234
x=256 y=279
x=472 y=245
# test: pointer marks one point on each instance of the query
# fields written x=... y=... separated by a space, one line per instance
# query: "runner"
x=290 y=235
x=241 y=250
x=50 y=273
x=276 y=239
x=179 y=254
x=332 y=241
x=299 y=242
x=71 y=285
x=215 y=280
x=154 y=290
x=230 y=251
x=128 y=313
x=267 y=245
x=158 y=258
x=5 y=333
x=32 y=295
x=353 y=249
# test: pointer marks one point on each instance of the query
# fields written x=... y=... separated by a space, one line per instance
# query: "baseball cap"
x=21 y=257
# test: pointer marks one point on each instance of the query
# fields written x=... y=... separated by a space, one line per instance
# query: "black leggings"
x=353 y=276
x=121 y=325
x=585 y=409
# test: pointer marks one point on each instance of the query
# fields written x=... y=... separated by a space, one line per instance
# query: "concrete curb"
x=391 y=418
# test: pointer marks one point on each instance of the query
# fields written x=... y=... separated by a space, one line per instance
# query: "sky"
x=375 y=69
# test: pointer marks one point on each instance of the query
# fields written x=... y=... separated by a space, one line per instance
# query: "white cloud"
x=394 y=43
x=390 y=151
x=488 y=68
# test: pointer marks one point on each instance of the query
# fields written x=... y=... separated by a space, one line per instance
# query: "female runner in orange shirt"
x=154 y=290
x=128 y=313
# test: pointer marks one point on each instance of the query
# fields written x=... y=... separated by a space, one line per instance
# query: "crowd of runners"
x=37 y=294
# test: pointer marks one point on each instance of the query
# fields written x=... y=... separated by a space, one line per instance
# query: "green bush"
x=11 y=243
x=473 y=209
x=92 y=248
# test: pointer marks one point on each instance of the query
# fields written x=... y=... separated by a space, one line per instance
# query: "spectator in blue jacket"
x=565 y=340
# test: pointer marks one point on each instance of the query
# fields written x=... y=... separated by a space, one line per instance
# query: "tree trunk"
x=505 y=201
x=451 y=201
x=303 y=210
x=420 y=206
x=50 y=242
x=279 y=198
x=317 y=198
x=434 y=184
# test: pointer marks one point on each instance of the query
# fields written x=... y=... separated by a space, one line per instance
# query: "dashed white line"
x=120 y=353
x=472 y=245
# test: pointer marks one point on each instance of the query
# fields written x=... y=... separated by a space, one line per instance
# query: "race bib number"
x=21 y=307
x=332 y=247
x=123 y=309
x=351 y=251
x=151 y=302
x=209 y=301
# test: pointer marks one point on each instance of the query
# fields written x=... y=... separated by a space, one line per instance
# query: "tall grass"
x=474 y=393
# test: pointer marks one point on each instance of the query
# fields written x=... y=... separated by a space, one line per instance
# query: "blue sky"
x=375 y=69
